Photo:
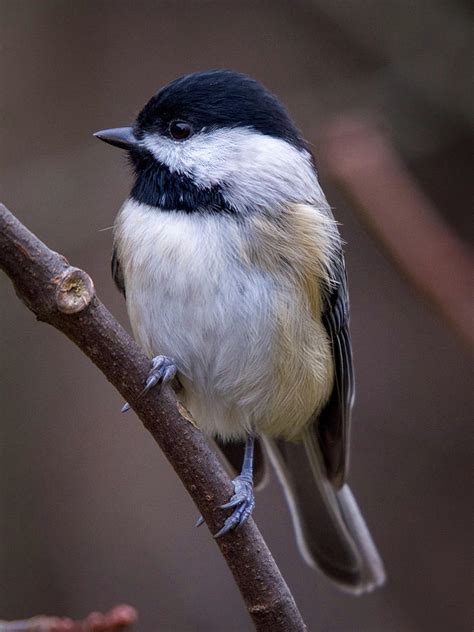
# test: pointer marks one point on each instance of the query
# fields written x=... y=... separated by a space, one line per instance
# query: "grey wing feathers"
x=333 y=424
x=117 y=272
x=330 y=530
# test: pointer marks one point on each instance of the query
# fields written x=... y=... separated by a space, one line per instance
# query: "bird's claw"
x=243 y=500
x=162 y=370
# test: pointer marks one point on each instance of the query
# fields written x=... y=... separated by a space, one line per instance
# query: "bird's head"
x=218 y=141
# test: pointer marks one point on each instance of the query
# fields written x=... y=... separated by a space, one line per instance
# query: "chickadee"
x=231 y=264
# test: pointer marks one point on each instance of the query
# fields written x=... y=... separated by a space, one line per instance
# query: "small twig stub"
x=74 y=292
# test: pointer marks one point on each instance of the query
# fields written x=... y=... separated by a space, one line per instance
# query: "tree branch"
x=118 y=618
x=64 y=297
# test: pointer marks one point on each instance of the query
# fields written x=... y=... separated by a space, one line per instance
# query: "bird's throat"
x=156 y=185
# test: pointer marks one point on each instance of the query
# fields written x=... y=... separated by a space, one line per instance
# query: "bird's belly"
x=220 y=336
x=243 y=367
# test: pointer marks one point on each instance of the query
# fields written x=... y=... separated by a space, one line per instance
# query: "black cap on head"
x=217 y=99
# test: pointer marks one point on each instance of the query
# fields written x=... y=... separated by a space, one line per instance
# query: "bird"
x=233 y=272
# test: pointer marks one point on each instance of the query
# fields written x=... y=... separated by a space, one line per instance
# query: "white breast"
x=250 y=352
x=189 y=298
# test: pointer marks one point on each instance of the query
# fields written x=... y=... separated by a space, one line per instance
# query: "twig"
x=425 y=250
x=118 y=618
x=64 y=297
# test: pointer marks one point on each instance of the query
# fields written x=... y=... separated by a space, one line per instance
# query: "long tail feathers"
x=330 y=530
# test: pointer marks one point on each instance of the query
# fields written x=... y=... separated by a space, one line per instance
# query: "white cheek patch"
x=251 y=168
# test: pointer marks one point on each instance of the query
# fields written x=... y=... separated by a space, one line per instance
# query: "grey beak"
x=122 y=137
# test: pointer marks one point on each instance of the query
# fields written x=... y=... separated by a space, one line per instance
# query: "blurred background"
x=91 y=512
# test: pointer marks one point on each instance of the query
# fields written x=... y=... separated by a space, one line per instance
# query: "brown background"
x=91 y=513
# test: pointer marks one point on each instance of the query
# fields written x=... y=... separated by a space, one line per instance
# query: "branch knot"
x=74 y=292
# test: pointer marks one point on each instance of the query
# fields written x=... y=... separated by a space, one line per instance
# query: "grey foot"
x=162 y=370
x=244 y=502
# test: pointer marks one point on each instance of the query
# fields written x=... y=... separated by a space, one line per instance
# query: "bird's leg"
x=243 y=499
x=162 y=370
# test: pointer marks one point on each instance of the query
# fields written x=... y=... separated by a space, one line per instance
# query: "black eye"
x=180 y=130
